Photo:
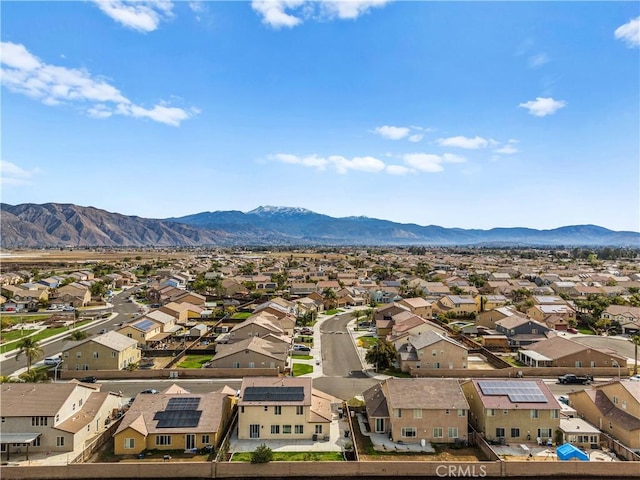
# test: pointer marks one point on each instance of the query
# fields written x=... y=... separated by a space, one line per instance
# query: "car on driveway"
x=301 y=348
x=150 y=391
x=90 y=379
x=635 y=378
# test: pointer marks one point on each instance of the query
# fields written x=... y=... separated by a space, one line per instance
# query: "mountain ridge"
x=65 y=224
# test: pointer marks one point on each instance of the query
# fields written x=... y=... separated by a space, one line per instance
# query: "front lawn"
x=294 y=457
x=367 y=341
x=302 y=357
x=194 y=361
x=241 y=315
x=301 y=369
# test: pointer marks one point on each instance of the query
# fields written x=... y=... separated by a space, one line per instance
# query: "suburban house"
x=410 y=410
x=52 y=417
x=613 y=407
x=285 y=408
x=109 y=351
x=512 y=410
x=232 y=288
x=460 y=305
x=521 y=331
x=189 y=297
x=489 y=302
x=541 y=312
x=579 y=433
x=383 y=317
x=488 y=318
x=418 y=306
x=430 y=350
x=166 y=320
x=628 y=317
x=143 y=331
x=559 y=351
x=256 y=326
x=406 y=323
x=173 y=420
x=252 y=352
x=73 y=294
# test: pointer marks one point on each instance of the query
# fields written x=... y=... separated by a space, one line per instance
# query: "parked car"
x=301 y=348
x=52 y=361
x=68 y=309
x=150 y=391
x=635 y=378
x=90 y=379
x=306 y=331
x=571 y=378
x=572 y=330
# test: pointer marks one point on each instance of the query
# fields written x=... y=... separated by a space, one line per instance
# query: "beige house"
x=178 y=311
x=489 y=302
x=541 y=312
x=110 y=351
x=414 y=409
x=459 y=304
x=579 y=433
x=52 y=417
x=559 y=351
x=613 y=407
x=143 y=331
x=488 y=318
x=173 y=420
x=628 y=317
x=285 y=408
x=253 y=352
x=513 y=410
x=431 y=350
x=73 y=294
x=256 y=326
x=418 y=306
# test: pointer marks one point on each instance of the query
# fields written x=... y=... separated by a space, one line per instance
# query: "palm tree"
x=30 y=348
x=636 y=341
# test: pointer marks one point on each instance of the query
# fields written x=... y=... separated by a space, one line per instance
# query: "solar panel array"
x=144 y=324
x=273 y=394
x=516 y=391
x=177 y=418
x=187 y=403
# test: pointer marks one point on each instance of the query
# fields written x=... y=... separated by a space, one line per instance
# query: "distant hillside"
x=51 y=224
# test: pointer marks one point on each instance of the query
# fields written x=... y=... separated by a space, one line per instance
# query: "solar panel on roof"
x=144 y=324
x=271 y=394
x=177 y=418
x=517 y=391
x=187 y=403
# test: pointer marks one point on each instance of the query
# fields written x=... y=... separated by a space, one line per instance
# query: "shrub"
x=262 y=454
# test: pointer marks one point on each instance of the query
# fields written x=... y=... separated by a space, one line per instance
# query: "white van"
x=52 y=361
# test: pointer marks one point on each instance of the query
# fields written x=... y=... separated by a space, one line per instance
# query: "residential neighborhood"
x=453 y=361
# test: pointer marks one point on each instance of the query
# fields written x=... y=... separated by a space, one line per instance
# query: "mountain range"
x=54 y=224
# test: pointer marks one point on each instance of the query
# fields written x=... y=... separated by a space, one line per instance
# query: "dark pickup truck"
x=571 y=378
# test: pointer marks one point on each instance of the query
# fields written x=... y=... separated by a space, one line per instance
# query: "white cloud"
x=24 y=73
x=463 y=142
x=290 y=13
x=347 y=9
x=399 y=170
x=12 y=174
x=141 y=15
x=392 y=133
x=543 y=106
x=308 y=161
x=629 y=32
x=506 y=150
x=429 y=162
x=197 y=6
x=538 y=60
x=416 y=137
x=341 y=164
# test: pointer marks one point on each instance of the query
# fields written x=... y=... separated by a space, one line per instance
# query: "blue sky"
x=471 y=115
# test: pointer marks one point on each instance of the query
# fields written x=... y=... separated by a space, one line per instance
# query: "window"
x=113 y=354
x=277 y=410
x=555 y=414
x=129 y=443
x=266 y=408
x=3 y=419
x=490 y=412
x=624 y=404
x=163 y=439
x=397 y=413
x=236 y=364
x=78 y=354
x=36 y=442
x=275 y=429
x=499 y=432
x=615 y=400
x=38 y=421
x=544 y=432
x=299 y=429
x=436 y=364
x=462 y=412
x=95 y=355
x=409 y=432
x=417 y=413
x=318 y=428
x=252 y=365
x=534 y=413
x=299 y=409
x=205 y=440
x=434 y=352
x=447 y=411
x=80 y=402
x=242 y=409
x=73 y=407
x=578 y=364
x=57 y=418
x=505 y=412
x=437 y=432
x=452 y=432
x=66 y=354
x=286 y=428
x=59 y=441
x=515 y=433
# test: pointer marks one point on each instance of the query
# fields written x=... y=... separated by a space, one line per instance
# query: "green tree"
x=357 y=314
x=330 y=297
x=35 y=376
x=78 y=335
x=636 y=341
x=262 y=454
x=30 y=349
x=382 y=354
x=280 y=279
x=248 y=268
x=98 y=289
